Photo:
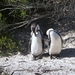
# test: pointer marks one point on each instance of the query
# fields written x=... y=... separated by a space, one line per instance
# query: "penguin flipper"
x=42 y=43
x=60 y=37
x=42 y=38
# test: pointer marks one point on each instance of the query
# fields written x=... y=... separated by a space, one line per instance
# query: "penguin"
x=37 y=42
x=55 y=42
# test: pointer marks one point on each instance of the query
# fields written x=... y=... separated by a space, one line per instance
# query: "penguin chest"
x=36 y=45
x=55 y=46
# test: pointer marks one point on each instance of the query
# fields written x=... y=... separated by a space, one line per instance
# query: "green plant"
x=9 y=45
x=2 y=21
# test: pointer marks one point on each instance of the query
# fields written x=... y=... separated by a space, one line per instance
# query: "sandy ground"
x=23 y=65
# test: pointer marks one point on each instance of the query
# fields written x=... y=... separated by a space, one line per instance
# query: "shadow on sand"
x=68 y=52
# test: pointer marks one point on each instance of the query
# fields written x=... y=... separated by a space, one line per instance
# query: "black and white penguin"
x=36 y=41
x=55 y=43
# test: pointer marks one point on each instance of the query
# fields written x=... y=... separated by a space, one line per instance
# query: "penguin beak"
x=33 y=29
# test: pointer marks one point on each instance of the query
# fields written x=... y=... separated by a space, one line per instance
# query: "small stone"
x=7 y=59
x=37 y=74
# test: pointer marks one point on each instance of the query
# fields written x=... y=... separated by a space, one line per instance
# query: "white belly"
x=36 y=45
x=55 y=46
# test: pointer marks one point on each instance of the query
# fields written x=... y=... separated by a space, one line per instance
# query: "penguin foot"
x=39 y=57
x=55 y=56
x=33 y=58
x=58 y=56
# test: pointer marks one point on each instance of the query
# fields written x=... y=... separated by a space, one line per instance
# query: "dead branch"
x=25 y=7
x=21 y=24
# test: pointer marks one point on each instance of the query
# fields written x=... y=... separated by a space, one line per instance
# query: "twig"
x=26 y=7
x=21 y=70
x=24 y=23
x=6 y=65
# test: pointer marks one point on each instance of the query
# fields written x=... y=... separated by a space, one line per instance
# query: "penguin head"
x=49 y=30
x=35 y=28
